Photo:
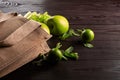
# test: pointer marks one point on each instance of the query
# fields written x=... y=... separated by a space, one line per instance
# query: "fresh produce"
x=58 y=25
x=56 y=54
x=42 y=18
x=70 y=54
x=87 y=35
x=45 y=27
x=68 y=34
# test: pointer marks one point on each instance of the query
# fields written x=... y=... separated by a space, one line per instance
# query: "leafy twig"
x=69 y=34
x=70 y=54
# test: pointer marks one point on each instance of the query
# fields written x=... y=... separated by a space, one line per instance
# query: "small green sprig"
x=88 y=45
x=56 y=54
x=68 y=34
x=70 y=54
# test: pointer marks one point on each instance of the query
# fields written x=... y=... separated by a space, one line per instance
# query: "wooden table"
x=99 y=63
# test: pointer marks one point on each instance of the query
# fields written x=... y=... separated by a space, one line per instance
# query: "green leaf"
x=72 y=55
x=69 y=34
x=58 y=45
x=65 y=58
x=73 y=33
x=68 y=53
x=69 y=50
x=44 y=17
x=88 y=45
x=64 y=36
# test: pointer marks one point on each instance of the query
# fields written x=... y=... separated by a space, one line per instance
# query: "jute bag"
x=21 y=41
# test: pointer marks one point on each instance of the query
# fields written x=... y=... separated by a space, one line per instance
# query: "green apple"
x=54 y=56
x=87 y=35
x=45 y=27
x=58 y=25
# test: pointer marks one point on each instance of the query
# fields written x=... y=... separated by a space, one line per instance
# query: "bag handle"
x=21 y=33
x=5 y=16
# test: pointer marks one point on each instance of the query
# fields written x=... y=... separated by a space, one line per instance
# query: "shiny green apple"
x=87 y=35
x=45 y=27
x=58 y=25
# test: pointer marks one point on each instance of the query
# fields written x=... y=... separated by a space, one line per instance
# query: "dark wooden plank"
x=83 y=69
x=86 y=12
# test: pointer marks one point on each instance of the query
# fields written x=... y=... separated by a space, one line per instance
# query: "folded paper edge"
x=17 y=35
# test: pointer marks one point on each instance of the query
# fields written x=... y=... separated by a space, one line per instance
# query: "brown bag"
x=24 y=39
x=5 y=16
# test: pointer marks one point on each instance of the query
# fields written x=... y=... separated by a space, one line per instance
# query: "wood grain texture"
x=99 y=63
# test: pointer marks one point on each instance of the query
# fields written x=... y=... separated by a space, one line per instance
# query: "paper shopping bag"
x=21 y=45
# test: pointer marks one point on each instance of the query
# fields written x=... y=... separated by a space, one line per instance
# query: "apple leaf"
x=59 y=45
x=68 y=53
x=69 y=34
x=88 y=45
